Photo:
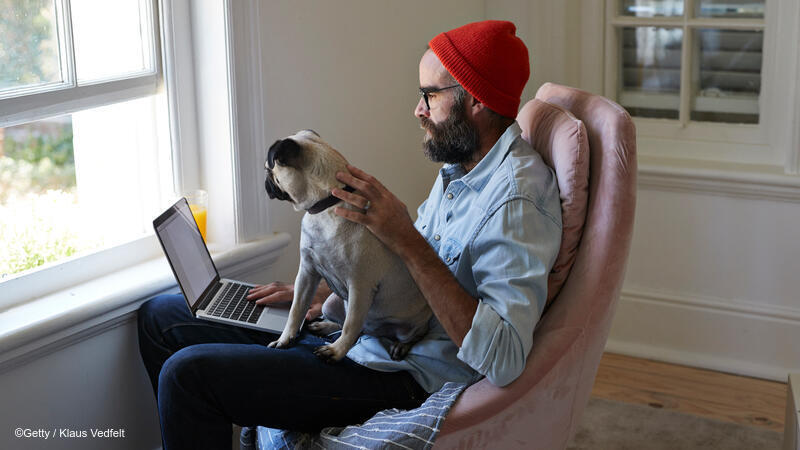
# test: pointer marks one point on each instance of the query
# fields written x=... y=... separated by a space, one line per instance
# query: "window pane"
x=29 y=45
x=112 y=38
x=651 y=71
x=739 y=9
x=37 y=194
x=78 y=183
x=728 y=82
x=651 y=8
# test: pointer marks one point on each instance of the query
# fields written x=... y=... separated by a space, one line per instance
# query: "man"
x=480 y=251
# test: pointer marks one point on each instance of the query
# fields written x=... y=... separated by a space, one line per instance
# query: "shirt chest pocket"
x=451 y=252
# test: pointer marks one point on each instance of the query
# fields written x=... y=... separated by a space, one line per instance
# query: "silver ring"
x=366 y=207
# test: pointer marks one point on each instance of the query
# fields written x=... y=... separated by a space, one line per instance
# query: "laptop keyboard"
x=232 y=304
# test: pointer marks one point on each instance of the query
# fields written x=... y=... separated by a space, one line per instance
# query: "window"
x=691 y=64
x=85 y=158
x=705 y=79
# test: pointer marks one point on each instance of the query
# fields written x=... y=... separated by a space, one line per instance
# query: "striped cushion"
x=391 y=428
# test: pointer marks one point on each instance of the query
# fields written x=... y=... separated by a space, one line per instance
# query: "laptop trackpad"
x=278 y=311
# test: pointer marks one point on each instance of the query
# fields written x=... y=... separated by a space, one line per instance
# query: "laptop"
x=208 y=296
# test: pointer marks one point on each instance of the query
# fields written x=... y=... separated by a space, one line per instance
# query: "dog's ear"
x=312 y=131
x=285 y=152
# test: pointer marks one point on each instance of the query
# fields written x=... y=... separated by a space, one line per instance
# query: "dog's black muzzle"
x=273 y=190
x=281 y=150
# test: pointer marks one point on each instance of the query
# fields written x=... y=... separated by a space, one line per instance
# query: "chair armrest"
x=553 y=354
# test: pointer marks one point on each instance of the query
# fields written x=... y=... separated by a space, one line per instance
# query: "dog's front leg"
x=305 y=286
x=358 y=304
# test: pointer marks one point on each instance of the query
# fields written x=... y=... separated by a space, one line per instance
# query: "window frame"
x=29 y=104
x=768 y=143
x=173 y=72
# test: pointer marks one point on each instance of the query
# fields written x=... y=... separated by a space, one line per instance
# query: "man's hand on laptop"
x=278 y=292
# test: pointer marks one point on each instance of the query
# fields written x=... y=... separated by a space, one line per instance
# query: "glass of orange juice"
x=198 y=203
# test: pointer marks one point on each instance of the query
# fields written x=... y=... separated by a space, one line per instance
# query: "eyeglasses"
x=425 y=92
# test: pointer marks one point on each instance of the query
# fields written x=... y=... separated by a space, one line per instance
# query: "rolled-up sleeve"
x=511 y=258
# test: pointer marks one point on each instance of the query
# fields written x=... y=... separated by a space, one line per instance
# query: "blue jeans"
x=208 y=375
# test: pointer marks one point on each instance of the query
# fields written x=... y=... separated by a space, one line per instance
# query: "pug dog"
x=380 y=297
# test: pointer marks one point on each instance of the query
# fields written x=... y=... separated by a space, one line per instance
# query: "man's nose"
x=421 y=110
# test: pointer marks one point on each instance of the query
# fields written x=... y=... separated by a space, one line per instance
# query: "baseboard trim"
x=698 y=360
x=735 y=336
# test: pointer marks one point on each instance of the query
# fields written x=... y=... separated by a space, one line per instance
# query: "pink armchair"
x=542 y=408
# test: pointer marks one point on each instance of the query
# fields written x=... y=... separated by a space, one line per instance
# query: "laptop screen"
x=185 y=250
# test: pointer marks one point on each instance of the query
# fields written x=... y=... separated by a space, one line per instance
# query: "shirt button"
x=437 y=237
x=449 y=259
x=450 y=196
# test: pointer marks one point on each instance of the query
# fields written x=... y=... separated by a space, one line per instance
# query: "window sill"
x=760 y=182
x=69 y=315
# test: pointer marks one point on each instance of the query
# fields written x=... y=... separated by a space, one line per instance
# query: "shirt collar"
x=477 y=178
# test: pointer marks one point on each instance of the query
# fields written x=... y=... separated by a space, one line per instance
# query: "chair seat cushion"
x=562 y=141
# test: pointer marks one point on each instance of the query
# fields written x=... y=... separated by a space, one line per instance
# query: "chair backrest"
x=561 y=139
x=542 y=408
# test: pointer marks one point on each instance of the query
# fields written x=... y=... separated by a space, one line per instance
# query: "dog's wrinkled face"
x=301 y=169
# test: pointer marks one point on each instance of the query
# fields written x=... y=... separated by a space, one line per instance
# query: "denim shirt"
x=498 y=229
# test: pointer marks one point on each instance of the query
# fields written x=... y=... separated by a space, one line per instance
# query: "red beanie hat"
x=488 y=60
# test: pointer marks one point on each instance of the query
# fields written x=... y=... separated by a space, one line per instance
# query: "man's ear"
x=476 y=106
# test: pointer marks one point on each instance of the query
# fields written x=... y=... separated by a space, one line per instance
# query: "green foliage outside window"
x=38 y=214
x=26 y=52
x=36 y=230
x=36 y=162
x=36 y=148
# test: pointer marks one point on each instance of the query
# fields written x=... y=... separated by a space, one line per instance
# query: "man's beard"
x=453 y=141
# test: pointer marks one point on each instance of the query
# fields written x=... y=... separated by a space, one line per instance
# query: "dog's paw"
x=281 y=343
x=323 y=327
x=399 y=350
x=330 y=353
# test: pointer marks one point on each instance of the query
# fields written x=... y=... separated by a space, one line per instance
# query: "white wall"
x=98 y=382
x=92 y=378
x=712 y=279
x=350 y=71
x=712 y=282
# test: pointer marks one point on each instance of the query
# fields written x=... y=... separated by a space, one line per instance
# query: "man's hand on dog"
x=386 y=216
x=282 y=293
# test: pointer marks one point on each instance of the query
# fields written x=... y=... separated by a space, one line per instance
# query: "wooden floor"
x=706 y=393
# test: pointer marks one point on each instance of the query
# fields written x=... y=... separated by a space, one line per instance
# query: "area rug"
x=610 y=425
